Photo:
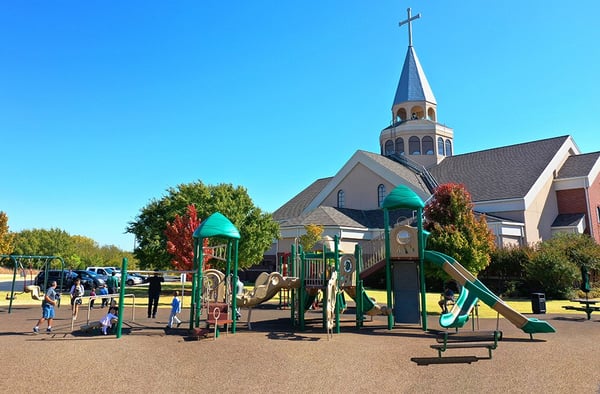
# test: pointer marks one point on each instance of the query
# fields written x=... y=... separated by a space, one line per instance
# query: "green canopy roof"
x=217 y=225
x=403 y=197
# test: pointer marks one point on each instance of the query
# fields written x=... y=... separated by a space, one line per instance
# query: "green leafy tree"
x=6 y=238
x=53 y=242
x=313 y=234
x=257 y=229
x=555 y=267
x=455 y=230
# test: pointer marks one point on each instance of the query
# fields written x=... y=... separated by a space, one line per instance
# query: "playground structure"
x=405 y=255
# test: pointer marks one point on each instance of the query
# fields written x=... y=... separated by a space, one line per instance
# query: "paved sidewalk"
x=273 y=358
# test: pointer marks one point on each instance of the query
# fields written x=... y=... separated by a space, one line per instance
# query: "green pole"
x=337 y=270
x=234 y=286
x=422 y=267
x=388 y=265
x=302 y=292
x=122 y=296
x=292 y=270
x=194 y=280
x=12 y=290
x=359 y=286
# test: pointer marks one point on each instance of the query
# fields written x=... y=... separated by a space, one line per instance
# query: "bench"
x=479 y=339
x=588 y=309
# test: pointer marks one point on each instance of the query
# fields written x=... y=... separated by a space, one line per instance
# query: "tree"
x=556 y=265
x=311 y=237
x=6 y=238
x=257 y=229
x=455 y=230
x=180 y=243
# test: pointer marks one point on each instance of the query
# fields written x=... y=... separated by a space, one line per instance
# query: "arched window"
x=341 y=199
x=380 y=194
x=440 y=144
x=389 y=147
x=401 y=115
x=414 y=145
x=448 y=148
x=427 y=145
x=400 y=146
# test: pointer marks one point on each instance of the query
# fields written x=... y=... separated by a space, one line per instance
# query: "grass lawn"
x=140 y=292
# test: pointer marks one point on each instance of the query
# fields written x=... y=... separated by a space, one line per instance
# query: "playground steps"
x=480 y=339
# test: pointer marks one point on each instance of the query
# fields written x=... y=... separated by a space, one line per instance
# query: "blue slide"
x=479 y=290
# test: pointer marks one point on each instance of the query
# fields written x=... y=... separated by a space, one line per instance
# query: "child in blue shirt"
x=103 y=291
x=175 y=309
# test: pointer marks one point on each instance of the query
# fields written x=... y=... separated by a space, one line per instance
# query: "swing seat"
x=35 y=291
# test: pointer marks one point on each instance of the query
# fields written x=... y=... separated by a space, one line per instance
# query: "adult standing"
x=113 y=285
x=50 y=299
x=154 y=289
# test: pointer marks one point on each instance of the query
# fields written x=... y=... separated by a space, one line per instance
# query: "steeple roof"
x=413 y=85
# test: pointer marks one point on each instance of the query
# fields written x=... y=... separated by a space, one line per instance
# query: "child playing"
x=175 y=309
x=104 y=291
x=107 y=320
x=92 y=297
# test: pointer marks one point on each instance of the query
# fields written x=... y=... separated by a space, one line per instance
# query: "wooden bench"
x=588 y=309
x=478 y=339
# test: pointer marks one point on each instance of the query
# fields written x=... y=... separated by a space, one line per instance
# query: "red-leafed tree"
x=180 y=242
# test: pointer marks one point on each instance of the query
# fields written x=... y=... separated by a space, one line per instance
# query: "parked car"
x=90 y=279
x=55 y=275
x=143 y=277
x=133 y=279
x=105 y=271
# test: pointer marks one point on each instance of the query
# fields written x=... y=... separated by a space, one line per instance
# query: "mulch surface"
x=275 y=358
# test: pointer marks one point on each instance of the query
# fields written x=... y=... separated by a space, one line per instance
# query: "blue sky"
x=106 y=104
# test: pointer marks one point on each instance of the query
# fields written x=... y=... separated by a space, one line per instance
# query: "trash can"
x=538 y=302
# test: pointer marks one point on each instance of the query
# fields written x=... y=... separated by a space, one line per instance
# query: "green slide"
x=459 y=314
x=479 y=290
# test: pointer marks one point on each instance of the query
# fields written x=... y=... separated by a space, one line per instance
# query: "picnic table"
x=585 y=305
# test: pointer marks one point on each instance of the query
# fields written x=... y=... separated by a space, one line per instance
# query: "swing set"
x=42 y=263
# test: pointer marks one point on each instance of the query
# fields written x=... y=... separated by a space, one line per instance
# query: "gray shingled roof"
x=497 y=174
x=344 y=217
x=579 y=165
x=568 y=219
x=413 y=85
x=415 y=181
x=296 y=205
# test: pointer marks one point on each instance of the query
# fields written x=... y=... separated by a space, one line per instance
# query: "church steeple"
x=414 y=97
x=415 y=132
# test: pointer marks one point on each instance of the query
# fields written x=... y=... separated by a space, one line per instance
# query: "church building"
x=528 y=191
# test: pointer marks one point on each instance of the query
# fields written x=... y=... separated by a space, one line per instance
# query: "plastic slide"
x=265 y=288
x=479 y=290
x=370 y=307
x=459 y=314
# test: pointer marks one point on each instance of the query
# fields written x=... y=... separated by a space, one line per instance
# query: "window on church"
x=414 y=145
x=598 y=213
x=448 y=148
x=380 y=195
x=440 y=144
x=428 y=145
x=389 y=147
x=341 y=199
x=399 y=146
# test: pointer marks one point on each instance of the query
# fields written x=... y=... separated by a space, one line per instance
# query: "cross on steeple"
x=410 y=19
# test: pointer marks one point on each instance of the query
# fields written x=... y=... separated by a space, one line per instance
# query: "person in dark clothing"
x=154 y=288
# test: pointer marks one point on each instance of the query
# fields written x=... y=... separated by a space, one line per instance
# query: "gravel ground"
x=274 y=358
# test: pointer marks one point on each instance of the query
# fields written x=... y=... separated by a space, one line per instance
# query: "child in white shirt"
x=107 y=320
